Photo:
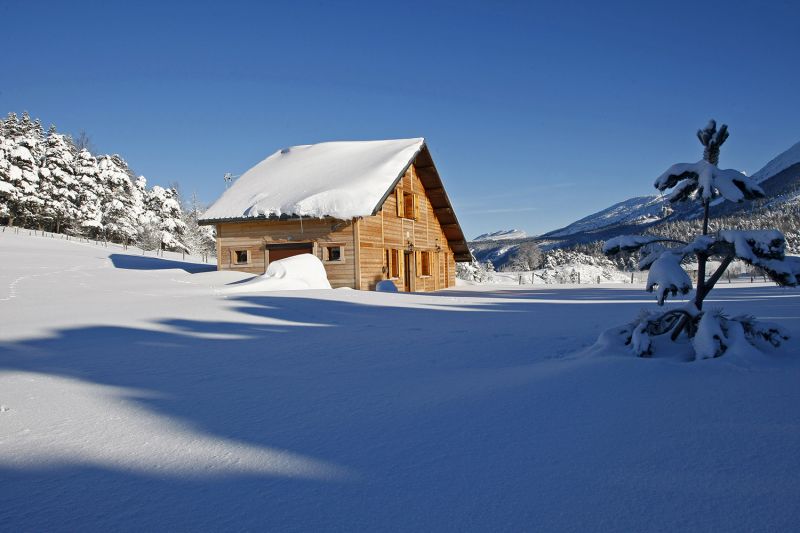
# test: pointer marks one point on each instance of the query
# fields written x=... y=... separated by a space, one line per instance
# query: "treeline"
x=783 y=215
x=49 y=182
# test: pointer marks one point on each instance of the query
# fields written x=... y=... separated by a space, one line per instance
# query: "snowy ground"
x=137 y=393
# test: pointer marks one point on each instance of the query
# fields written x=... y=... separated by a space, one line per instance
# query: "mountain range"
x=780 y=179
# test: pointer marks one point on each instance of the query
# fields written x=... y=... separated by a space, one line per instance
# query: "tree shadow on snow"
x=376 y=392
x=135 y=262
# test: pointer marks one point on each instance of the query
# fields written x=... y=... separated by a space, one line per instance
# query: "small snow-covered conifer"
x=712 y=333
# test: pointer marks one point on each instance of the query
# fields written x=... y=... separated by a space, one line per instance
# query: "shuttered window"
x=407 y=204
x=425 y=263
x=393 y=263
x=399 y=199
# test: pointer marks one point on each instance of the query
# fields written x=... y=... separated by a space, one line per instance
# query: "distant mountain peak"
x=638 y=210
x=502 y=235
x=779 y=163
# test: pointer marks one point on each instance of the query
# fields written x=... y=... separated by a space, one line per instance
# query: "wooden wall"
x=256 y=235
x=388 y=230
x=363 y=266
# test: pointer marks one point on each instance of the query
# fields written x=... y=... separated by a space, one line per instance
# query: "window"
x=424 y=264
x=393 y=264
x=407 y=204
x=241 y=257
x=333 y=253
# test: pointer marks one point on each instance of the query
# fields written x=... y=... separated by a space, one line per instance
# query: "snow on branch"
x=765 y=249
x=667 y=277
x=757 y=244
x=717 y=334
x=707 y=181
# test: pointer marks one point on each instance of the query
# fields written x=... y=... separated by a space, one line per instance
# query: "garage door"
x=282 y=251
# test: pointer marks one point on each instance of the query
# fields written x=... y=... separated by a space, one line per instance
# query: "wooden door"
x=282 y=251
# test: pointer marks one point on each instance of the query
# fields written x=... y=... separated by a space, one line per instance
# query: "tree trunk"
x=702 y=258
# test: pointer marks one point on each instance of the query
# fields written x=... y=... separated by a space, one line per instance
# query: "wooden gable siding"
x=387 y=230
x=255 y=236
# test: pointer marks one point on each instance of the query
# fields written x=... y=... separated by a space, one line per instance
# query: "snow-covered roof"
x=336 y=179
x=344 y=180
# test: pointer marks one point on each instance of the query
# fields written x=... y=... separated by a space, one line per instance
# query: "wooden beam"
x=356 y=252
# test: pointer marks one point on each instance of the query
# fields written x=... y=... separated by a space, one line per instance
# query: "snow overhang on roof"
x=342 y=180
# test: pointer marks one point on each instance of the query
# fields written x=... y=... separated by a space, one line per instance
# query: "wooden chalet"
x=369 y=210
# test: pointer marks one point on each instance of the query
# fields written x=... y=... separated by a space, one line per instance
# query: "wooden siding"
x=363 y=266
x=388 y=230
x=254 y=236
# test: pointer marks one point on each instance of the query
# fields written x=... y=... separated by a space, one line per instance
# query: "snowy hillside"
x=778 y=164
x=639 y=210
x=647 y=210
x=138 y=394
x=502 y=235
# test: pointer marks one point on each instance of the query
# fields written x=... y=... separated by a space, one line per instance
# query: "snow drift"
x=299 y=272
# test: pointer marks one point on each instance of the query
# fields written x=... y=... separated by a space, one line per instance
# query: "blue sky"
x=536 y=113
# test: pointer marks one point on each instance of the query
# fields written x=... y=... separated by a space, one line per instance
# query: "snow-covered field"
x=140 y=393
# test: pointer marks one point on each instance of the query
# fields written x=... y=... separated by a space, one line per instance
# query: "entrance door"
x=409 y=261
x=282 y=251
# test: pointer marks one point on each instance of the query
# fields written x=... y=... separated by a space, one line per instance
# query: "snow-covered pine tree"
x=711 y=332
x=8 y=190
x=121 y=202
x=59 y=185
x=474 y=271
x=164 y=211
x=91 y=194
x=23 y=154
x=199 y=240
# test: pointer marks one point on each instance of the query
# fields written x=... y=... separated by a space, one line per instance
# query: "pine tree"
x=8 y=191
x=199 y=240
x=91 y=194
x=11 y=126
x=164 y=211
x=120 y=218
x=711 y=332
x=59 y=184
x=23 y=154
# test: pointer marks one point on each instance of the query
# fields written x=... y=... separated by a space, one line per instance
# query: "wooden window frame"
x=402 y=212
x=234 y=258
x=424 y=257
x=325 y=252
x=394 y=269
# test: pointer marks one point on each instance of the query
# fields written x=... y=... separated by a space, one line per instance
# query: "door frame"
x=409 y=263
x=294 y=245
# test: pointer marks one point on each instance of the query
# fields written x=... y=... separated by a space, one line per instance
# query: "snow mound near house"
x=299 y=272
x=337 y=179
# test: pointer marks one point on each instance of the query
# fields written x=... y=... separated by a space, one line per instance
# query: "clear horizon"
x=536 y=116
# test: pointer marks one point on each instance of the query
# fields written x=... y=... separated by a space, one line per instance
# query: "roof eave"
x=262 y=218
